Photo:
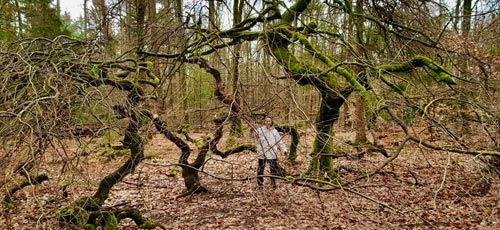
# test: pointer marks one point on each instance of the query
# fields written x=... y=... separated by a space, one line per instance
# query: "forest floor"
x=421 y=189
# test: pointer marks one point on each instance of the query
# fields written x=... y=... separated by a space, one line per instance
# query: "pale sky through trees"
x=74 y=7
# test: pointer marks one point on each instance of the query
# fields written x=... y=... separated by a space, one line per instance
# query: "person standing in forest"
x=268 y=141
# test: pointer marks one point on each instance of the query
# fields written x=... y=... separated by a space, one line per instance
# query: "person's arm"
x=253 y=132
x=280 y=143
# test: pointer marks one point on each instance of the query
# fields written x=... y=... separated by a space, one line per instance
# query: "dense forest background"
x=136 y=114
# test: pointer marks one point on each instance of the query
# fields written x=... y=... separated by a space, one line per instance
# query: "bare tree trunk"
x=182 y=70
x=236 y=128
x=104 y=24
x=359 y=105
x=457 y=15
x=466 y=23
x=141 y=18
x=19 y=19
x=58 y=8
x=211 y=14
x=85 y=18
x=360 y=120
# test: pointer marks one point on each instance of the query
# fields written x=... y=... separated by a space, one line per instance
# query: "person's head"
x=268 y=121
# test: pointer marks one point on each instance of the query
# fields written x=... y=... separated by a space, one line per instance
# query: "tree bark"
x=236 y=126
x=141 y=7
x=467 y=16
x=278 y=39
x=359 y=100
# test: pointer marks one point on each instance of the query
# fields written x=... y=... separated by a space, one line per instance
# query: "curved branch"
x=220 y=88
x=419 y=61
x=181 y=144
x=236 y=149
x=138 y=219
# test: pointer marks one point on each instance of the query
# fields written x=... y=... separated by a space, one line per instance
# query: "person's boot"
x=259 y=184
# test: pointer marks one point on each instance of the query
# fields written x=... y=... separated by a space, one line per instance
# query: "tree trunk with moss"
x=135 y=143
x=86 y=212
x=236 y=125
x=190 y=170
x=279 y=38
x=334 y=81
x=292 y=131
x=359 y=100
x=322 y=159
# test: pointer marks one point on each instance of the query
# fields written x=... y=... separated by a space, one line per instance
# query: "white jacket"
x=268 y=141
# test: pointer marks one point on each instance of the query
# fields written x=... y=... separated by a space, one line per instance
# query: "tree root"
x=197 y=190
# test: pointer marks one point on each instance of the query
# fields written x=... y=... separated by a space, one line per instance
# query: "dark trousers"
x=273 y=163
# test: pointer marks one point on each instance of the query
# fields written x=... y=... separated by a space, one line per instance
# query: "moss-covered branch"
x=181 y=144
x=418 y=61
x=136 y=145
x=138 y=219
x=208 y=44
x=8 y=201
x=236 y=149
x=190 y=171
x=86 y=211
x=292 y=13
x=325 y=59
x=323 y=143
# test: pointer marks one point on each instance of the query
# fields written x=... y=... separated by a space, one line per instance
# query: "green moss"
x=249 y=35
x=319 y=165
x=149 y=65
x=110 y=222
x=290 y=15
x=149 y=225
x=87 y=203
x=495 y=51
x=8 y=202
x=443 y=75
x=72 y=214
x=85 y=213
x=230 y=141
x=174 y=172
x=311 y=26
x=446 y=78
x=90 y=227
x=392 y=68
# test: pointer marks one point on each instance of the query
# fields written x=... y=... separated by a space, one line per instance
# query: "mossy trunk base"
x=321 y=167
x=192 y=182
